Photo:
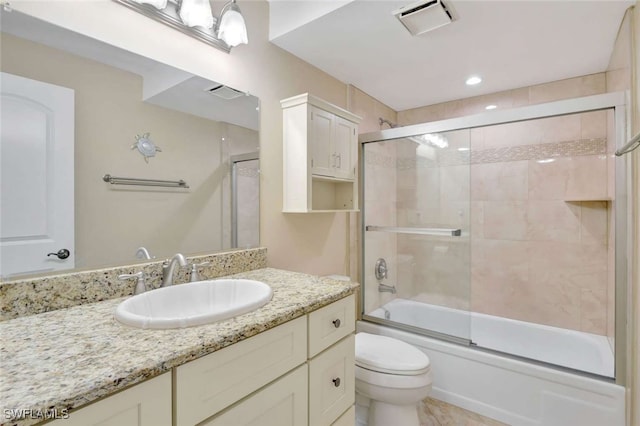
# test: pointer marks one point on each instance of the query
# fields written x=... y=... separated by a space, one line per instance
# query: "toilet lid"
x=387 y=355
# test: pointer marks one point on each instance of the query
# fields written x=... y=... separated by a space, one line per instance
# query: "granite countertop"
x=67 y=358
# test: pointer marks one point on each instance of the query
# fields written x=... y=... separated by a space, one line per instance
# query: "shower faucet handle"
x=381 y=269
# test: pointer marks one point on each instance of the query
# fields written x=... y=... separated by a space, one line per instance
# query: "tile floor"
x=438 y=413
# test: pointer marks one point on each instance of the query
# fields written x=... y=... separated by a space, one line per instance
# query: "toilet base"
x=383 y=414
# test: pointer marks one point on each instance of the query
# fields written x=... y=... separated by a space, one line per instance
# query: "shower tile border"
x=571 y=148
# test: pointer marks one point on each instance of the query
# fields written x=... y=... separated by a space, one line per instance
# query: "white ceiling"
x=163 y=85
x=510 y=44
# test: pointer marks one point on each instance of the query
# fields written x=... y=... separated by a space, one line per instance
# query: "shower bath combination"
x=539 y=215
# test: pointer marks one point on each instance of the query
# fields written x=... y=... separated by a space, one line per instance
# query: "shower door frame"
x=234 y=160
x=616 y=101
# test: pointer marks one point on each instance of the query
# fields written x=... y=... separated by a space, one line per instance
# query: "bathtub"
x=567 y=348
x=508 y=389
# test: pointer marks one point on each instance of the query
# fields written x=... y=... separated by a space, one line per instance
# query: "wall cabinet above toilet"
x=320 y=154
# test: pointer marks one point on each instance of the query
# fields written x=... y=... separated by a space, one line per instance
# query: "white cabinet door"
x=209 y=384
x=347 y=419
x=283 y=403
x=321 y=134
x=343 y=144
x=36 y=179
x=146 y=404
x=332 y=382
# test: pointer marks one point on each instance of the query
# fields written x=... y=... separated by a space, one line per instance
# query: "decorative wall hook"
x=145 y=146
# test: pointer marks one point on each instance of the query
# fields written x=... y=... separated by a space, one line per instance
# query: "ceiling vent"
x=424 y=16
x=225 y=92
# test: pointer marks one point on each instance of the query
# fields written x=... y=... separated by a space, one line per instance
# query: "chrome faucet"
x=169 y=266
x=143 y=253
x=383 y=288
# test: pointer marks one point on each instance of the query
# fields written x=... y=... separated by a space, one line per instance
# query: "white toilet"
x=392 y=377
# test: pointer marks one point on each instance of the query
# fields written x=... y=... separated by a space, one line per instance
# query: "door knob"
x=62 y=254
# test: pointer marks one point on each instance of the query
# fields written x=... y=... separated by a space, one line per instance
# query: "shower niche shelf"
x=320 y=157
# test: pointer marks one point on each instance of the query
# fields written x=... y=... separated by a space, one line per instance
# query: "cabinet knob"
x=336 y=323
x=336 y=382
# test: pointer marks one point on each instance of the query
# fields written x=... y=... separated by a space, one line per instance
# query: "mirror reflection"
x=75 y=109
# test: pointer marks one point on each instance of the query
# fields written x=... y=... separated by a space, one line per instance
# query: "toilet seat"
x=391 y=381
x=391 y=356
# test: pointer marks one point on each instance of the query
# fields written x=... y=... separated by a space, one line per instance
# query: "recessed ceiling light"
x=463 y=149
x=491 y=107
x=546 y=160
x=473 y=80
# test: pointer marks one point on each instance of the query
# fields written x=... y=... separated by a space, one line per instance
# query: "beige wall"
x=623 y=74
x=635 y=162
x=112 y=222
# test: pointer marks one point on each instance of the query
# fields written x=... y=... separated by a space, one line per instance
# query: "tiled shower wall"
x=540 y=242
x=539 y=210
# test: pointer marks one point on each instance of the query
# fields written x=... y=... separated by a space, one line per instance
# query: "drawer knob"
x=336 y=382
x=336 y=323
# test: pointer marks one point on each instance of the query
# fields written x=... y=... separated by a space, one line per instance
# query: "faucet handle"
x=194 y=270
x=140 y=285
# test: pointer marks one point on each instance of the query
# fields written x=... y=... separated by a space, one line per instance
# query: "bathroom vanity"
x=290 y=362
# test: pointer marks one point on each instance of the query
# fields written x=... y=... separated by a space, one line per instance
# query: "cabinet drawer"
x=330 y=324
x=283 y=403
x=209 y=384
x=328 y=397
x=347 y=419
x=146 y=404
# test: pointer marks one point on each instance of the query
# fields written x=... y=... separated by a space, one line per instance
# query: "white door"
x=36 y=176
x=344 y=141
x=321 y=137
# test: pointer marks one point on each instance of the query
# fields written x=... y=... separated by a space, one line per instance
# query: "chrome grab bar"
x=144 y=182
x=444 y=232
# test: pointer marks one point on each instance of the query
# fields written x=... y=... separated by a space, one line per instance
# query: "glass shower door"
x=245 y=207
x=416 y=219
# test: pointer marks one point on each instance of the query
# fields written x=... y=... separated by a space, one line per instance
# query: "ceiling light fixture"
x=490 y=107
x=232 y=29
x=194 y=18
x=473 y=80
x=196 y=13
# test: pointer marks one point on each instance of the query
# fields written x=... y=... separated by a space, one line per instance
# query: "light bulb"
x=232 y=29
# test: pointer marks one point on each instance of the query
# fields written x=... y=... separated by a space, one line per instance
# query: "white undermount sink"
x=197 y=303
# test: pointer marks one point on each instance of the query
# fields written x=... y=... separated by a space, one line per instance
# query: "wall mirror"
x=75 y=109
